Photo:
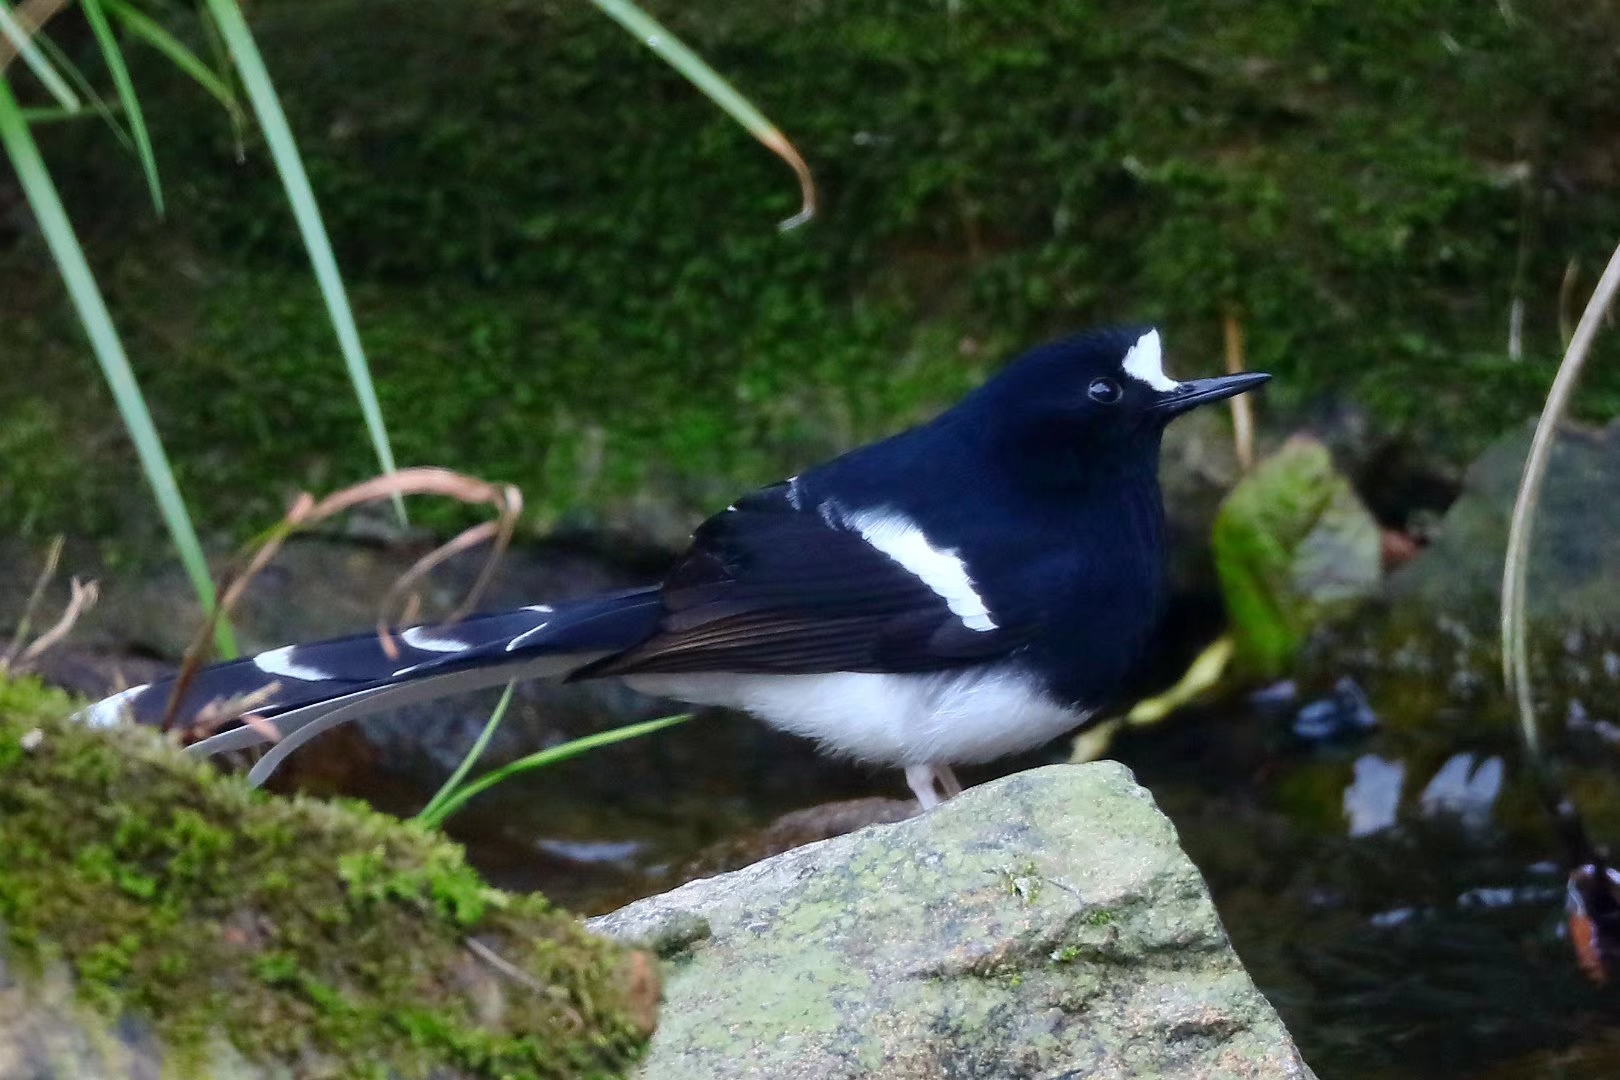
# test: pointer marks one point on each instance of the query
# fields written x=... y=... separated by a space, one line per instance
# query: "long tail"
x=308 y=689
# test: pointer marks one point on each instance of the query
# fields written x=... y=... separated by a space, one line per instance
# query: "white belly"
x=951 y=718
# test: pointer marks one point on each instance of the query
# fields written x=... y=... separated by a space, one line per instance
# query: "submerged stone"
x=1341 y=713
x=1574 y=579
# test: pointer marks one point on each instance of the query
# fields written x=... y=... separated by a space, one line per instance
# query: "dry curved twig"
x=306 y=511
x=1515 y=655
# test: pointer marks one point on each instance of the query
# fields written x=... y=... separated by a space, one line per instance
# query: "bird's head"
x=1095 y=395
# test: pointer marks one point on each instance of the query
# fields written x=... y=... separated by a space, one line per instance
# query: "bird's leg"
x=932 y=784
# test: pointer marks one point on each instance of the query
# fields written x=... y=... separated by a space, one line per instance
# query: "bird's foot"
x=932 y=784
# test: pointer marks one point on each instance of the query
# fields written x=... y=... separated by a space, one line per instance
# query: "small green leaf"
x=450 y=804
x=114 y=58
x=137 y=23
x=472 y=755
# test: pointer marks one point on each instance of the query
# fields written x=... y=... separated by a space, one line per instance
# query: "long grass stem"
x=480 y=744
x=20 y=38
x=653 y=34
x=87 y=300
x=266 y=104
x=114 y=59
x=1515 y=567
x=456 y=800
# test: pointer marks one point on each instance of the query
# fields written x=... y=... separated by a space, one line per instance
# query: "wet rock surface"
x=1575 y=552
x=1046 y=924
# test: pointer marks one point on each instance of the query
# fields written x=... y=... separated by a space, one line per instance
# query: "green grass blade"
x=139 y=24
x=92 y=310
x=650 y=32
x=63 y=63
x=114 y=58
x=472 y=755
x=52 y=115
x=267 y=107
x=107 y=111
x=23 y=41
x=543 y=758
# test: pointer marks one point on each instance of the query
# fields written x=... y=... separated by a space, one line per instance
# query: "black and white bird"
x=972 y=587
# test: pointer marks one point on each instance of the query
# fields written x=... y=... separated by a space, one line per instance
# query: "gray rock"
x=46 y=1034
x=1044 y=925
x=1575 y=551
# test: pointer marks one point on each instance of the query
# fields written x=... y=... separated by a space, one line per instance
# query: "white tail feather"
x=299 y=726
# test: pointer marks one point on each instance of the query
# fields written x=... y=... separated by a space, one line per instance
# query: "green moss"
x=178 y=897
x=566 y=269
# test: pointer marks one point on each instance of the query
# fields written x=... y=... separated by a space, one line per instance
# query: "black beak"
x=1190 y=395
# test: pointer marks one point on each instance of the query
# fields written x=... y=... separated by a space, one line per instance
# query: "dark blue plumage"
x=967 y=588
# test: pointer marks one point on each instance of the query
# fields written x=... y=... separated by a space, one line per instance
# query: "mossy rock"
x=155 y=909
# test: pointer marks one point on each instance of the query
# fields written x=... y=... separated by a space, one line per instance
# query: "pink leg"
x=932 y=784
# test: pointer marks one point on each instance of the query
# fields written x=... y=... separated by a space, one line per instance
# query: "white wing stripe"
x=941 y=570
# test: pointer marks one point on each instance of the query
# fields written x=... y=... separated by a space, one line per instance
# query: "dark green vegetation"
x=566 y=270
x=312 y=934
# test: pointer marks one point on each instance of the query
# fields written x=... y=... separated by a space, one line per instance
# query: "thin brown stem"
x=1242 y=407
x=83 y=599
x=53 y=556
x=306 y=511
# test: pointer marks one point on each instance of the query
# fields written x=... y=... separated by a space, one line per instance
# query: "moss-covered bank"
x=567 y=272
x=320 y=937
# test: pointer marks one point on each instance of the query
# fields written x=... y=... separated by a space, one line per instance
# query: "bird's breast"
x=962 y=716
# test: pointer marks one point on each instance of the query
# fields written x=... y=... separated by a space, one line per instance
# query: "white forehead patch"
x=941 y=570
x=1144 y=362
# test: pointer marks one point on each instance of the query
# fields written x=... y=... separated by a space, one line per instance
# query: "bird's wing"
x=769 y=587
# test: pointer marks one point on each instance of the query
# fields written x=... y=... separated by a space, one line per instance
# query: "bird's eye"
x=1104 y=391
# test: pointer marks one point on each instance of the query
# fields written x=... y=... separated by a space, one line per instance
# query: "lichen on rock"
x=1045 y=924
